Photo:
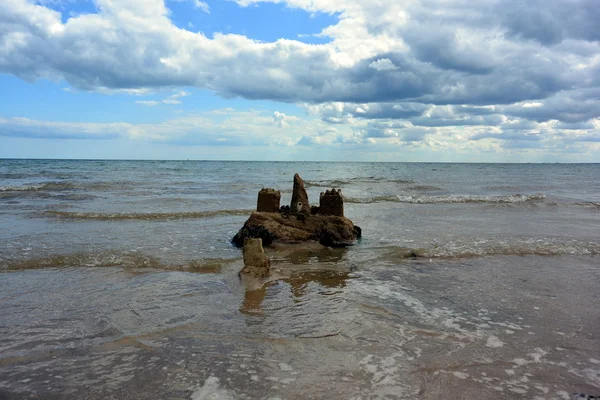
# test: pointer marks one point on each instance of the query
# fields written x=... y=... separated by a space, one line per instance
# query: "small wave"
x=141 y=216
x=370 y=200
x=404 y=181
x=22 y=188
x=591 y=204
x=114 y=185
x=13 y=176
x=514 y=198
x=343 y=182
x=425 y=188
x=74 y=197
x=114 y=259
x=51 y=186
x=327 y=183
x=516 y=248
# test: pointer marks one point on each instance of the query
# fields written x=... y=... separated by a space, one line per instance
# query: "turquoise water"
x=471 y=280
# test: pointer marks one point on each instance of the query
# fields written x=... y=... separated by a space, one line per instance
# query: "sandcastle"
x=268 y=200
x=299 y=222
x=256 y=263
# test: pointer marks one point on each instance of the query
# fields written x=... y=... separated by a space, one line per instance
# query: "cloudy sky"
x=377 y=80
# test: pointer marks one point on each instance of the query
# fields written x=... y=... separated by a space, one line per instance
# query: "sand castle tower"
x=268 y=200
x=331 y=202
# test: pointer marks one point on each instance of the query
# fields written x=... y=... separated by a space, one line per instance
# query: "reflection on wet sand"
x=307 y=254
x=253 y=300
x=299 y=279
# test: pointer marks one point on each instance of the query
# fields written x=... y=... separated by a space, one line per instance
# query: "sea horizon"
x=300 y=161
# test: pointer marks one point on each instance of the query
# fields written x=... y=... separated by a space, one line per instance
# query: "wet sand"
x=396 y=329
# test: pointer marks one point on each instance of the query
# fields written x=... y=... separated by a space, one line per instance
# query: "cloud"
x=551 y=21
x=383 y=64
x=215 y=127
x=435 y=73
x=282 y=120
x=372 y=57
x=150 y=103
x=202 y=6
x=29 y=128
x=172 y=99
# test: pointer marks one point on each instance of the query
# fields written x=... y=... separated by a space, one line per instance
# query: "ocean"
x=471 y=281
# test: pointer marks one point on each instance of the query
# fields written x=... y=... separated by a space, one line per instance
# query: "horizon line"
x=291 y=161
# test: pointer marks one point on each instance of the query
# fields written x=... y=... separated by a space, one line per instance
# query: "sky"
x=338 y=80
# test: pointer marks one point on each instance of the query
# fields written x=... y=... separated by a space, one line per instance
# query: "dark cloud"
x=395 y=129
x=575 y=125
x=441 y=48
x=551 y=21
x=465 y=120
x=523 y=20
x=562 y=107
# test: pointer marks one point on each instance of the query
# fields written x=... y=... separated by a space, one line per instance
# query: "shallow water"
x=471 y=281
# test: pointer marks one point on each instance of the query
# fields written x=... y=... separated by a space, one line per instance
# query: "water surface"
x=471 y=281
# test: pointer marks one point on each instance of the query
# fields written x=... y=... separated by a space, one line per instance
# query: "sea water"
x=117 y=279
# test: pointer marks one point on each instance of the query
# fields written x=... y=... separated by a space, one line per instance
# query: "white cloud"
x=173 y=99
x=253 y=127
x=383 y=64
x=202 y=6
x=150 y=103
x=282 y=120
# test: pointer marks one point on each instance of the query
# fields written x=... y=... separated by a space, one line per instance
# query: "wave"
x=513 y=198
x=50 y=186
x=425 y=188
x=516 y=248
x=591 y=204
x=115 y=259
x=14 y=176
x=39 y=174
x=74 y=197
x=343 y=182
x=327 y=183
x=141 y=216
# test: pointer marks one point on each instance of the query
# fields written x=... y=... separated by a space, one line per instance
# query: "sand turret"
x=331 y=202
x=299 y=196
x=268 y=200
x=256 y=263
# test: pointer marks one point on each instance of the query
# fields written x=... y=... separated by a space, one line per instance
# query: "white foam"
x=537 y=356
x=564 y=395
x=542 y=389
x=23 y=188
x=285 y=367
x=460 y=375
x=385 y=372
x=514 y=198
x=212 y=391
x=592 y=375
x=494 y=342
